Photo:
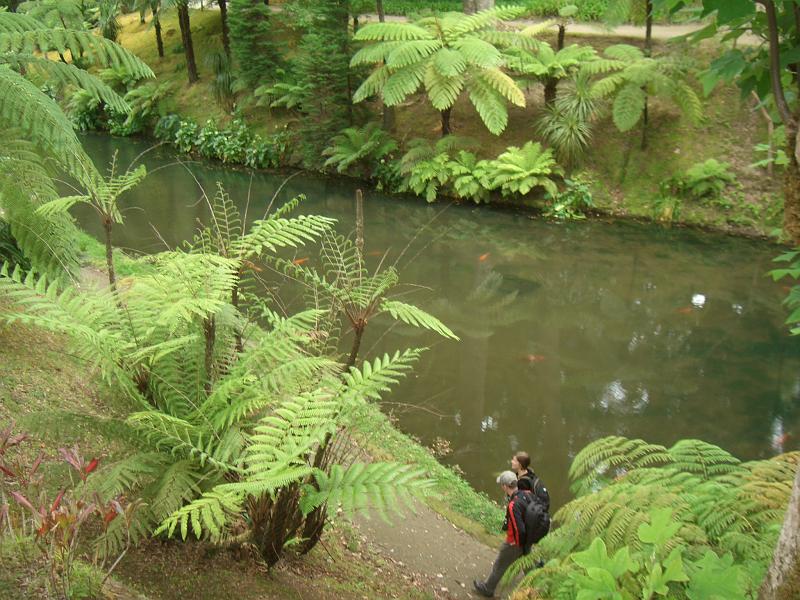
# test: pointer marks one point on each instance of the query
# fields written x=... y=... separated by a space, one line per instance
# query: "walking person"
x=514 y=526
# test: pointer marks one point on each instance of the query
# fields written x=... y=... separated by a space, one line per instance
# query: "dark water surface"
x=569 y=331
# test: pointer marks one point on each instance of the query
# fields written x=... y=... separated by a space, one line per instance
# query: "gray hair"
x=507 y=478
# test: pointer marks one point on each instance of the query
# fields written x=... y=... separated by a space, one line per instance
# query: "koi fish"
x=483 y=257
x=252 y=266
x=534 y=358
x=375 y=253
x=300 y=261
x=786 y=288
x=686 y=310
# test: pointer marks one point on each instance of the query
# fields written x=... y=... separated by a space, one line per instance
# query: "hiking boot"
x=480 y=587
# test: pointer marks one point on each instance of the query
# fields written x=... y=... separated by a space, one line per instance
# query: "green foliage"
x=9 y=250
x=520 y=170
x=359 y=149
x=252 y=41
x=283 y=94
x=236 y=144
x=792 y=300
x=706 y=180
x=648 y=521
x=447 y=55
x=572 y=202
x=222 y=83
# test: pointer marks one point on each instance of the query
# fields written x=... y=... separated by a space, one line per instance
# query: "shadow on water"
x=569 y=331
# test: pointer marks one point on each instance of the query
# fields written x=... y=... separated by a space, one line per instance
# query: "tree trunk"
x=235 y=304
x=787 y=551
x=112 y=279
x=645 y=120
x=210 y=333
x=473 y=6
x=550 y=91
x=562 y=33
x=223 y=15
x=648 y=30
x=159 y=39
x=791 y=188
x=186 y=38
x=355 y=24
x=446 y=121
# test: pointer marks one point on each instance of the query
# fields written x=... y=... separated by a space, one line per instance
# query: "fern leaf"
x=416 y=317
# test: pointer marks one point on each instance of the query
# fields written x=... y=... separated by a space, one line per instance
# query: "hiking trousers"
x=507 y=555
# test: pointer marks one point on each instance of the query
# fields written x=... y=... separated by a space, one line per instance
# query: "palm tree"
x=447 y=55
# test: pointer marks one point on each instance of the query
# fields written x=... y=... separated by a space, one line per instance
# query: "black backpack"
x=537 y=518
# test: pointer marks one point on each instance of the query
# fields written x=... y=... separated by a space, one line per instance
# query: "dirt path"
x=427 y=544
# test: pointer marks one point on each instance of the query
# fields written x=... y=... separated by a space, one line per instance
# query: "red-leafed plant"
x=54 y=520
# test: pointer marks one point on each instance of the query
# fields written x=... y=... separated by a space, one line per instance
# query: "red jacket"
x=515 y=519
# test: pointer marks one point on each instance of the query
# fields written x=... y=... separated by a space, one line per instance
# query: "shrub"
x=571 y=202
x=706 y=180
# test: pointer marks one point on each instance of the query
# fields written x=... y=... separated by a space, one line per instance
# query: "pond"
x=569 y=331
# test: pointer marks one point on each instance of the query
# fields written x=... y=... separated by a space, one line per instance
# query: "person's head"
x=520 y=462
x=508 y=482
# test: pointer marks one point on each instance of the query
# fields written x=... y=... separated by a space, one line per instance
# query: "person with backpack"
x=515 y=528
x=528 y=480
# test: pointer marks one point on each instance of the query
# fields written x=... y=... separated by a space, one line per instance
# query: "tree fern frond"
x=416 y=317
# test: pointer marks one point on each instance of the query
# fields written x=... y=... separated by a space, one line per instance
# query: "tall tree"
x=186 y=38
x=323 y=70
x=223 y=15
x=473 y=6
x=253 y=47
x=389 y=117
x=447 y=55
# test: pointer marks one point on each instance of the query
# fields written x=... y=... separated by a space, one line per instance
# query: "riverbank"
x=624 y=179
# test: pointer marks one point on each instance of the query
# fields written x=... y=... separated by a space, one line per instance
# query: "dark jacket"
x=514 y=524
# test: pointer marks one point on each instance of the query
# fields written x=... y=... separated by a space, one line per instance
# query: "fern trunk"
x=235 y=304
x=223 y=15
x=159 y=38
x=645 y=120
x=562 y=33
x=112 y=279
x=210 y=333
x=550 y=91
x=648 y=28
x=446 y=121
x=780 y=581
x=186 y=38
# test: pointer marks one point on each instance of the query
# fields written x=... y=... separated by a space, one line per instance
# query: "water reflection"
x=569 y=332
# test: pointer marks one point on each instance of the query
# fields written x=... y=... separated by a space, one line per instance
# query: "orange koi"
x=483 y=257
x=375 y=253
x=252 y=266
x=300 y=261
x=534 y=358
x=686 y=310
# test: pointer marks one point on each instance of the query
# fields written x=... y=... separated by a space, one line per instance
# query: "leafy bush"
x=571 y=202
x=236 y=144
x=567 y=125
x=706 y=180
x=146 y=103
x=9 y=250
x=85 y=110
x=359 y=149
x=690 y=521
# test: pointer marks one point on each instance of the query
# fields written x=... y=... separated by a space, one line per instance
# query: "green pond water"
x=569 y=332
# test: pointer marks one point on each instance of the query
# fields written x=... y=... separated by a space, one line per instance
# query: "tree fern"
x=445 y=55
